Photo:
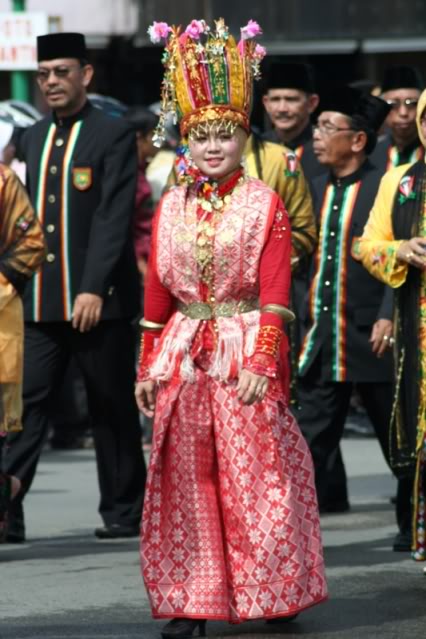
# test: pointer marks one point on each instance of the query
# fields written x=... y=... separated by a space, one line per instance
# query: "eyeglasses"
x=408 y=103
x=328 y=129
x=61 y=71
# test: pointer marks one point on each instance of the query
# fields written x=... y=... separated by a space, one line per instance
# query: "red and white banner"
x=18 y=39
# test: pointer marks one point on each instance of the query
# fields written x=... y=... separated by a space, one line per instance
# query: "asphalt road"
x=63 y=583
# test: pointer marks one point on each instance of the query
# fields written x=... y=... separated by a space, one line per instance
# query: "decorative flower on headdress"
x=158 y=31
x=208 y=76
x=251 y=30
x=195 y=28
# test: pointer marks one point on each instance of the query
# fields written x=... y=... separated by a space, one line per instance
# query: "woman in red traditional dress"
x=230 y=524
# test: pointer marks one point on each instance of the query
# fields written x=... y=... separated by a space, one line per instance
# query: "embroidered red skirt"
x=230 y=524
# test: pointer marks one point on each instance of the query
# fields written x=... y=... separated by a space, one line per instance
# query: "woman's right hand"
x=145 y=397
x=413 y=252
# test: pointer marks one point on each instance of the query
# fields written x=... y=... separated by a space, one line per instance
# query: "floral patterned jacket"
x=22 y=249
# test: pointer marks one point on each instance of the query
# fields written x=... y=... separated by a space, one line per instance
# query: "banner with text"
x=18 y=44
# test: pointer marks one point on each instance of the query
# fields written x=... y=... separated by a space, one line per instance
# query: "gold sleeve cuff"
x=282 y=311
x=150 y=325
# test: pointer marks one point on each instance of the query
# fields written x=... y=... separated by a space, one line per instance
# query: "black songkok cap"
x=368 y=110
x=290 y=75
x=342 y=99
x=402 y=77
x=61 y=45
x=371 y=110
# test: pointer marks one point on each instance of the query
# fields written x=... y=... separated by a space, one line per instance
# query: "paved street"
x=64 y=583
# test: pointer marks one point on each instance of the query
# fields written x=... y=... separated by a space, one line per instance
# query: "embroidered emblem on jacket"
x=82 y=178
x=292 y=164
x=406 y=190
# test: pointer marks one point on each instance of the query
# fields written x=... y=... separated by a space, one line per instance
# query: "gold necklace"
x=213 y=206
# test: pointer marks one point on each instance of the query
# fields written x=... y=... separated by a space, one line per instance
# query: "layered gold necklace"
x=213 y=205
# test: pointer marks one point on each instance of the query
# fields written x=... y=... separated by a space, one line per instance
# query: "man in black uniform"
x=289 y=100
x=349 y=321
x=81 y=168
x=401 y=89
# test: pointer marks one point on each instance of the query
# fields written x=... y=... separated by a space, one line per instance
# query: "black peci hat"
x=368 y=110
x=402 y=77
x=371 y=110
x=342 y=99
x=61 y=45
x=289 y=75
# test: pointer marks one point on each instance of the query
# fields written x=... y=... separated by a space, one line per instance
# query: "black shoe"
x=5 y=498
x=402 y=541
x=183 y=628
x=117 y=531
x=335 y=507
x=15 y=533
x=277 y=620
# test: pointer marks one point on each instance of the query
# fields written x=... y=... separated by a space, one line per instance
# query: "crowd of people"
x=282 y=271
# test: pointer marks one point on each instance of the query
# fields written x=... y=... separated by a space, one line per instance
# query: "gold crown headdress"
x=208 y=76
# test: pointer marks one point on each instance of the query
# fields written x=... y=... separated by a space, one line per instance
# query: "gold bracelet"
x=150 y=325
x=282 y=311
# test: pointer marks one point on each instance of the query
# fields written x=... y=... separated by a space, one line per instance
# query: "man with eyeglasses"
x=81 y=166
x=289 y=100
x=348 y=324
x=401 y=89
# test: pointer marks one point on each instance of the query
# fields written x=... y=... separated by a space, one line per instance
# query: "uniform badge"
x=292 y=164
x=82 y=178
x=406 y=189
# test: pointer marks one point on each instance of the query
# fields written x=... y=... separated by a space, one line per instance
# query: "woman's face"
x=218 y=153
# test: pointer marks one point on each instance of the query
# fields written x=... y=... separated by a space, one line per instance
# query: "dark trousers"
x=2 y=441
x=70 y=416
x=324 y=407
x=105 y=356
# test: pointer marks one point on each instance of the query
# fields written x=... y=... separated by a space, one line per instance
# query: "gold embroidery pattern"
x=239 y=235
x=236 y=88
x=206 y=231
x=207 y=114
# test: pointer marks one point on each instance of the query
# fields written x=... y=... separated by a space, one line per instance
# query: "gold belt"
x=206 y=311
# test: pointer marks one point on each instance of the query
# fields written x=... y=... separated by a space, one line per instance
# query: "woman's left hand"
x=251 y=388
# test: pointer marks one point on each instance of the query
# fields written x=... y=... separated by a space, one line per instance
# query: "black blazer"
x=382 y=154
x=348 y=299
x=81 y=177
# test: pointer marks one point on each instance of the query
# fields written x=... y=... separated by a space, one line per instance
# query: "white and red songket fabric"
x=230 y=525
